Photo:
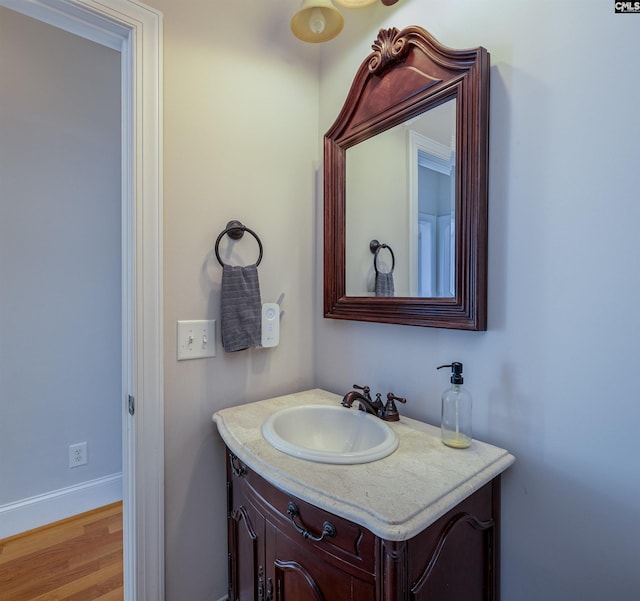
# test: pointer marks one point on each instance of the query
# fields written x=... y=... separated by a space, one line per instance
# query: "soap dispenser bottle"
x=456 y=411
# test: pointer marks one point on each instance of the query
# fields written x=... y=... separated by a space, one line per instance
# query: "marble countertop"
x=396 y=497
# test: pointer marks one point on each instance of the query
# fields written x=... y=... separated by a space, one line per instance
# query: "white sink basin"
x=328 y=434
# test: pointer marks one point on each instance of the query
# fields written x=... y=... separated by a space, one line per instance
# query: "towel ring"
x=375 y=247
x=236 y=230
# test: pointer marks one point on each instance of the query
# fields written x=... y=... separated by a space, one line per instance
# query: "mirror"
x=405 y=183
x=400 y=187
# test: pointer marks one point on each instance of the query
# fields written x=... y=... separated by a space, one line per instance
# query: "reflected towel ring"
x=375 y=247
x=236 y=230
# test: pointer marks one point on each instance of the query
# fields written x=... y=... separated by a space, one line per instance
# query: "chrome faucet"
x=364 y=399
x=388 y=412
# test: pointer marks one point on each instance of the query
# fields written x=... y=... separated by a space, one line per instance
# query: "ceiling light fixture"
x=363 y=3
x=355 y=3
x=320 y=20
x=317 y=21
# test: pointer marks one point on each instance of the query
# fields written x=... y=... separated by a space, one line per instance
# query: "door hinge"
x=132 y=405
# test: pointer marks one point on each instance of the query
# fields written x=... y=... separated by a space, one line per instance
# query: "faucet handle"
x=365 y=389
x=390 y=411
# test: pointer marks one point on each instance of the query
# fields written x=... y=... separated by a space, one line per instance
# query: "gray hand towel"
x=384 y=284
x=241 y=307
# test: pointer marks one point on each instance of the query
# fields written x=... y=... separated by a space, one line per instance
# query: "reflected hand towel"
x=384 y=284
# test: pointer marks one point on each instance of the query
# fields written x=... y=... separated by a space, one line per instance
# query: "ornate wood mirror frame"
x=408 y=73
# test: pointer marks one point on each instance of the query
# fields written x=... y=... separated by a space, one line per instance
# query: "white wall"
x=240 y=140
x=553 y=377
x=376 y=172
x=60 y=355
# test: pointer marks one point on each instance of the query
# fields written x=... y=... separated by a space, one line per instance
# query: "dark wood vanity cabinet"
x=454 y=559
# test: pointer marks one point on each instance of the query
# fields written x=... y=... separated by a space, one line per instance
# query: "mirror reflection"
x=401 y=193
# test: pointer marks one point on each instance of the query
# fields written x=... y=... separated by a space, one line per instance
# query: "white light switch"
x=196 y=339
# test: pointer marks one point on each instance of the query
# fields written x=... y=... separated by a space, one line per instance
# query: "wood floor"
x=77 y=559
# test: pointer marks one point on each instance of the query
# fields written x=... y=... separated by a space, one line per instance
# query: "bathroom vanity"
x=422 y=523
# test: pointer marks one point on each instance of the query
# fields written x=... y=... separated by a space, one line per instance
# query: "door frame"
x=135 y=30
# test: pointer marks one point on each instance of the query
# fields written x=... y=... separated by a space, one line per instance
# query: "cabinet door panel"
x=455 y=558
x=295 y=583
x=246 y=532
x=243 y=556
x=457 y=569
x=303 y=575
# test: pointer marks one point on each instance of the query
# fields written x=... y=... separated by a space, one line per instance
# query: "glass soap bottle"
x=456 y=411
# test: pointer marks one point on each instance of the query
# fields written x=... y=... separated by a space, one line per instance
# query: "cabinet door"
x=455 y=559
x=303 y=575
x=245 y=539
x=295 y=583
x=245 y=568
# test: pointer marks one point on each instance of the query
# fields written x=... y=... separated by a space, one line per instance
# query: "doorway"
x=134 y=30
x=60 y=273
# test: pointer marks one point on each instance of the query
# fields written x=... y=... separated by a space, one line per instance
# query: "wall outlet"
x=78 y=454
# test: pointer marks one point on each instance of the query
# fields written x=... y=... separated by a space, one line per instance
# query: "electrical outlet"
x=78 y=454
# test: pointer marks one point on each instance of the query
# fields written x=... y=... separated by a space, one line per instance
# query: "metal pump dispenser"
x=456 y=411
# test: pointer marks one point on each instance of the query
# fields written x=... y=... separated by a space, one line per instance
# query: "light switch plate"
x=196 y=339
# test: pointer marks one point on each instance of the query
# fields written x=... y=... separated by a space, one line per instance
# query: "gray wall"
x=60 y=294
x=553 y=377
x=240 y=139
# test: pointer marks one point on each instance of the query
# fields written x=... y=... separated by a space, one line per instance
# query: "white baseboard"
x=59 y=504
